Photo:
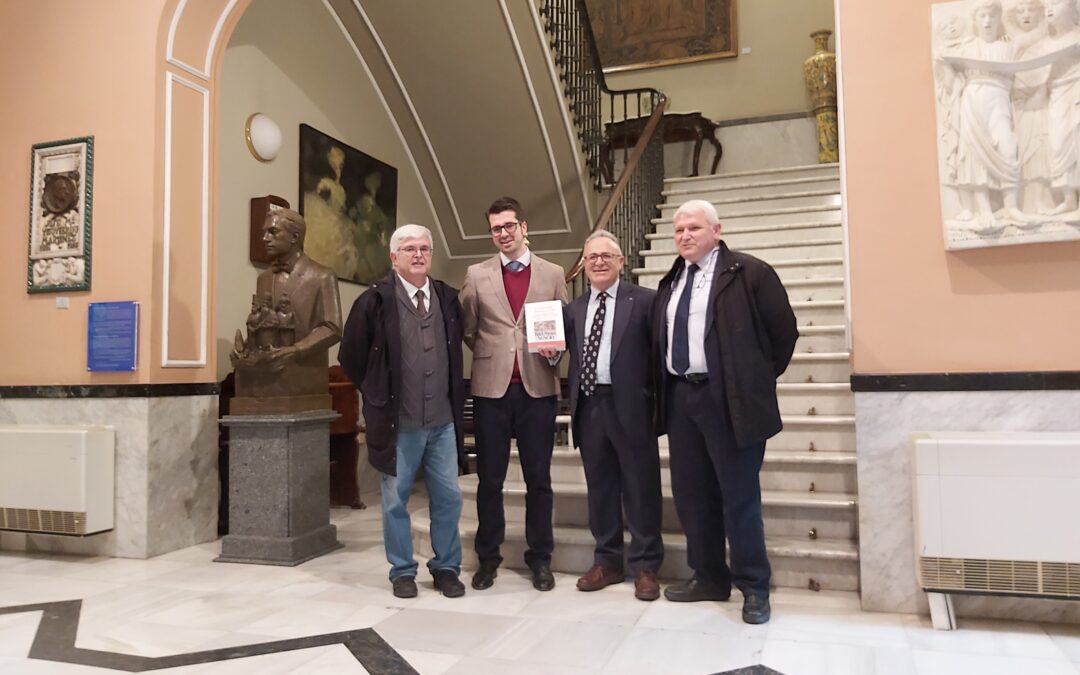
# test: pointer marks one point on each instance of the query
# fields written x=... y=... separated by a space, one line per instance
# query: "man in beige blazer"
x=514 y=391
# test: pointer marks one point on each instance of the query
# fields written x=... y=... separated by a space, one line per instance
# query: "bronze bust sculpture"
x=295 y=318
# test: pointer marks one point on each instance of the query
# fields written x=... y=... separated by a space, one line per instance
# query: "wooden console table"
x=678 y=127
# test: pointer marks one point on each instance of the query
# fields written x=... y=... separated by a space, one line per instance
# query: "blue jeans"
x=435 y=449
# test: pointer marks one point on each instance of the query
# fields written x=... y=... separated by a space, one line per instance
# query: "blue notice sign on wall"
x=112 y=342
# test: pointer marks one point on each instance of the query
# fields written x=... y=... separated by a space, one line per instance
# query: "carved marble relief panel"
x=1007 y=87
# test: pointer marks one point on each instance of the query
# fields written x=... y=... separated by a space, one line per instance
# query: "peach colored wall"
x=97 y=80
x=915 y=307
x=110 y=83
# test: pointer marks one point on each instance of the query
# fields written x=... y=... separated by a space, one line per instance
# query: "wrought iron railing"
x=608 y=120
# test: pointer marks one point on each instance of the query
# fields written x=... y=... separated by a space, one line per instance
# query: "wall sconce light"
x=263 y=137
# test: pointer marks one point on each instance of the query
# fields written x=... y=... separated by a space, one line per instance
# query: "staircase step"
x=781 y=470
x=746 y=190
x=817 y=339
x=807 y=268
x=825 y=247
x=775 y=216
x=810 y=290
x=756 y=237
x=786 y=513
x=819 y=312
x=832 y=564
x=727 y=206
x=818 y=367
x=823 y=398
x=818 y=171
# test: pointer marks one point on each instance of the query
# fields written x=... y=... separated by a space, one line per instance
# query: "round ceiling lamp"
x=263 y=137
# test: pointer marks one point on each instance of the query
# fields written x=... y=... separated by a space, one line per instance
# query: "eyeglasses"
x=413 y=250
x=594 y=258
x=508 y=228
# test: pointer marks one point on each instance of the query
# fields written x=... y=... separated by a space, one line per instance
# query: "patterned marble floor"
x=183 y=602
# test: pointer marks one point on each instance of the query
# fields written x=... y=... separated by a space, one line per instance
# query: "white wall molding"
x=171 y=80
x=540 y=119
x=204 y=72
x=419 y=123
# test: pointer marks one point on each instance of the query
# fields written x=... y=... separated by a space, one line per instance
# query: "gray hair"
x=409 y=232
x=698 y=206
x=604 y=234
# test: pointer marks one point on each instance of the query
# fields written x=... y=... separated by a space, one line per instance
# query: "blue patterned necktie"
x=592 y=347
x=515 y=265
x=680 y=341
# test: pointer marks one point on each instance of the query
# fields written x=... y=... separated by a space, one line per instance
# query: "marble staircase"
x=790 y=218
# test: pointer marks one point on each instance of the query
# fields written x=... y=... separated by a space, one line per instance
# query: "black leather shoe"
x=543 y=579
x=697 y=590
x=755 y=608
x=485 y=576
x=447 y=582
x=405 y=587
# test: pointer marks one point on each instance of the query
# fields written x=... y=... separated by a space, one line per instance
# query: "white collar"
x=611 y=291
x=525 y=259
x=706 y=260
x=411 y=290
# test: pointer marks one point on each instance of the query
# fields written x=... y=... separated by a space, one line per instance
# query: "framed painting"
x=632 y=34
x=61 y=201
x=349 y=202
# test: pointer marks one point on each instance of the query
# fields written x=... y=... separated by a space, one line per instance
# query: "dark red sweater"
x=516 y=285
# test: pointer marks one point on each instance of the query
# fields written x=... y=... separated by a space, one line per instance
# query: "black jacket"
x=631 y=343
x=749 y=339
x=370 y=354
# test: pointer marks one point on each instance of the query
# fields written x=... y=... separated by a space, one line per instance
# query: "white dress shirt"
x=525 y=259
x=699 y=308
x=603 y=358
x=411 y=290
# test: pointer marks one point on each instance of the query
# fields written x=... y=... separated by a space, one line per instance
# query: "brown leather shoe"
x=599 y=576
x=646 y=587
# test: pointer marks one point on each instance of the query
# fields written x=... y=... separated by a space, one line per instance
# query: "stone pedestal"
x=279 y=488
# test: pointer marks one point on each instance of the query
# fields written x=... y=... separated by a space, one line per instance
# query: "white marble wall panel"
x=768 y=145
x=182 y=463
x=884 y=422
x=166 y=472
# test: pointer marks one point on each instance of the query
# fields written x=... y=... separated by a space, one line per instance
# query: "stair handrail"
x=652 y=127
x=632 y=203
x=577 y=55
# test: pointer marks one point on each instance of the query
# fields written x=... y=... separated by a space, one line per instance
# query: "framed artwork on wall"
x=260 y=208
x=349 y=202
x=633 y=34
x=61 y=201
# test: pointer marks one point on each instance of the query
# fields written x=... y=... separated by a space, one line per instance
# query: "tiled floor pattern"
x=183 y=602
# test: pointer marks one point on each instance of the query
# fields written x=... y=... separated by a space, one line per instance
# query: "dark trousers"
x=532 y=422
x=622 y=470
x=716 y=489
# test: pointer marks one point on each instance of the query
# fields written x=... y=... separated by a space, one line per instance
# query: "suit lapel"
x=498 y=287
x=723 y=274
x=580 y=310
x=624 y=308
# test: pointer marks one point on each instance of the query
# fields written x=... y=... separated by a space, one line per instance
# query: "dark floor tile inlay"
x=55 y=641
x=751 y=670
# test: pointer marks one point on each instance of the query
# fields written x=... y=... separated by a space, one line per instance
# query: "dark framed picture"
x=632 y=34
x=260 y=208
x=349 y=202
x=61 y=201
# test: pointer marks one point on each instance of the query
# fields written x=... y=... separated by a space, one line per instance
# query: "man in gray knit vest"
x=402 y=348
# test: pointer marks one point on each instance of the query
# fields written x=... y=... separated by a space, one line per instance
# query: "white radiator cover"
x=57 y=479
x=998 y=512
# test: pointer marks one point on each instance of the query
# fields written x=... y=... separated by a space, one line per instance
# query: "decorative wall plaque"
x=1007 y=85
x=61 y=197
